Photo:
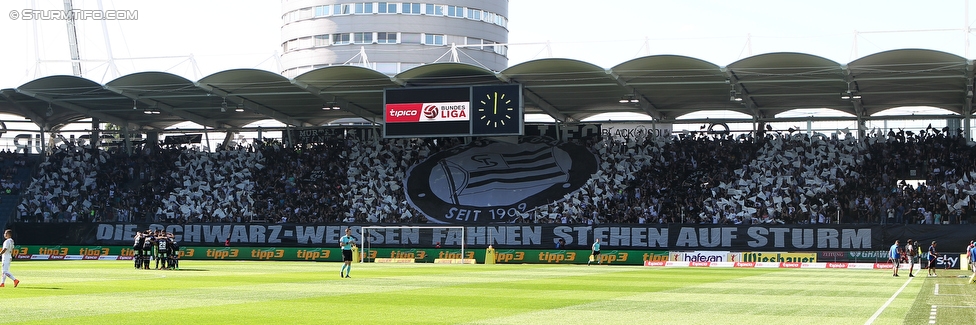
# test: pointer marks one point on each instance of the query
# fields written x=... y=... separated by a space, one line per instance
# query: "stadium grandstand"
x=330 y=162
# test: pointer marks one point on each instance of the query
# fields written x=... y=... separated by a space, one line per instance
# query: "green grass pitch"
x=247 y=292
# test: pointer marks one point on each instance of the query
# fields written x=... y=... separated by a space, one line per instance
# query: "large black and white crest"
x=491 y=181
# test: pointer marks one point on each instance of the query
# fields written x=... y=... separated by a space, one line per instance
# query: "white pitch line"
x=880 y=310
x=943 y=294
x=932 y=317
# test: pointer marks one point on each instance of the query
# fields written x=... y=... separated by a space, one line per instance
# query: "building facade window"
x=322 y=40
x=412 y=8
x=322 y=11
x=390 y=38
x=291 y=17
x=386 y=38
x=501 y=49
x=434 y=39
x=434 y=10
x=455 y=11
x=474 y=14
x=364 y=8
x=340 y=39
x=387 y=7
x=362 y=38
x=341 y=9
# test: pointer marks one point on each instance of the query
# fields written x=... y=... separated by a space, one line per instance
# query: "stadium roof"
x=662 y=86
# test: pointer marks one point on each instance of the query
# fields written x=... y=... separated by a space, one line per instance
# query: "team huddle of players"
x=156 y=245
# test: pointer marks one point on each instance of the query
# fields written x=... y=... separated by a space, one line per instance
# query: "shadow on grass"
x=39 y=288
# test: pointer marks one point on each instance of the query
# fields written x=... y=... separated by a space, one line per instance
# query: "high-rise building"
x=392 y=37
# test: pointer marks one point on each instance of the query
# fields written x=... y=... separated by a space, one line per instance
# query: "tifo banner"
x=853 y=239
x=490 y=181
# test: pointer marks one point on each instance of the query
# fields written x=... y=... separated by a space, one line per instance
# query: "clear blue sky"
x=224 y=34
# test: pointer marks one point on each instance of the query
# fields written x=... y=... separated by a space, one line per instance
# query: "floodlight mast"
x=72 y=39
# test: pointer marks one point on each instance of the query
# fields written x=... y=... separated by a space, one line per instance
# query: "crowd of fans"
x=153 y=184
x=767 y=177
x=11 y=165
x=300 y=184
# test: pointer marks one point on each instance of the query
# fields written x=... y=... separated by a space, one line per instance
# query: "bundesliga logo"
x=430 y=111
x=488 y=181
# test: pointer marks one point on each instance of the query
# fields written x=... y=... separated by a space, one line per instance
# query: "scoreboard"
x=494 y=110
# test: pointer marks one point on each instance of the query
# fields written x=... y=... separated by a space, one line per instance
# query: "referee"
x=596 y=252
x=347 y=242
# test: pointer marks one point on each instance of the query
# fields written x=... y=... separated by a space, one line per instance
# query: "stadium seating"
x=781 y=177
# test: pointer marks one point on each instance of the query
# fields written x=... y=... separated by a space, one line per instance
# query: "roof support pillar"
x=967 y=120
x=95 y=139
x=125 y=140
x=967 y=107
x=227 y=139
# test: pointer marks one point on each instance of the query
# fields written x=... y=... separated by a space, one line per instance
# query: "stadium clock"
x=496 y=110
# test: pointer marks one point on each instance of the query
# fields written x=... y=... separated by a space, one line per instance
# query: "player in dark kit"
x=162 y=251
x=147 y=249
x=174 y=253
x=138 y=240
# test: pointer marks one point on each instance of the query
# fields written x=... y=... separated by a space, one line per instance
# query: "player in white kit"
x=7 y=252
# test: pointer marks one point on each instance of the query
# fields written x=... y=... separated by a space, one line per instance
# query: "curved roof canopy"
x=663 y=87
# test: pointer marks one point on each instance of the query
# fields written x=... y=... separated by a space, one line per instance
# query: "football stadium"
x=783 y=187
